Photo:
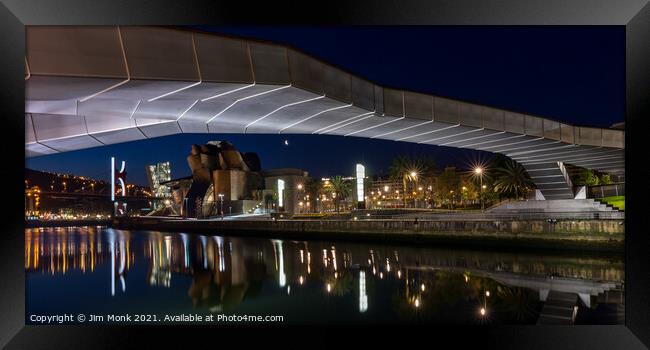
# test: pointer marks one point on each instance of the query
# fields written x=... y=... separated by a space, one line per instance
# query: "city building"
x=156 y=174
x=32 y=201
x=288 y=185
x=387 y=192
x=225 y=181
x=384 y=192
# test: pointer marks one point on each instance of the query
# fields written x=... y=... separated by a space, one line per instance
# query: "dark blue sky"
x=572 y=74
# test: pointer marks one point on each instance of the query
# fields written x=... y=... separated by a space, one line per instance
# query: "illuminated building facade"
x=156 y=174
x=389 y=193
x=384 y=193
x=32 y=201
x=288 y=187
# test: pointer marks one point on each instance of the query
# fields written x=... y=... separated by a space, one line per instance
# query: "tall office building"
x=156 y=174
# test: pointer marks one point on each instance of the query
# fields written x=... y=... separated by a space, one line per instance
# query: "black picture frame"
x=633 y=14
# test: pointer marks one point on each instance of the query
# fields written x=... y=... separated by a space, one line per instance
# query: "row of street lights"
x=412 y=174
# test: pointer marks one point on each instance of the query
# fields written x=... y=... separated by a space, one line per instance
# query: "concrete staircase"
x=615 y=296
x=559 y=209
x=551 y=179
x=512 y=210
x=607 y=205
x=620 y=313
x=559 y=308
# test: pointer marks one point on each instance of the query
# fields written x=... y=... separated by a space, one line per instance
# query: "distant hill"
x=55 y=182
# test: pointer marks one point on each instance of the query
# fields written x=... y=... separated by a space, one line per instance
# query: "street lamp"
x=412 y=176
x=221 y=204
x=479 y=172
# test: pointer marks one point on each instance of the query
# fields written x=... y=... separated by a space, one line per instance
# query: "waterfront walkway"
x=561 y=234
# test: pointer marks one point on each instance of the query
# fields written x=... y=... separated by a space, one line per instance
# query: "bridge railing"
x=606 y=190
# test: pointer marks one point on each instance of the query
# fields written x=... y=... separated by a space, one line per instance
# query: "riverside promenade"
x=562 y=234
x=66 y=223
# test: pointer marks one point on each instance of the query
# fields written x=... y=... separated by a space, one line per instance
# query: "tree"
x=587 y=178
x=313 y=188
x=340 y=189
x=411 y=169
x=469 y=191
x=448 y=185
x=605 y=179
x=512 y=180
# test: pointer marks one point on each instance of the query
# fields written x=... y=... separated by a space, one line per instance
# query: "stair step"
x=559 y=317
x=561 y=303
x=545 y=320
x=559 y=307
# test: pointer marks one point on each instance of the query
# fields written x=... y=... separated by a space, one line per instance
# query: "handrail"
x=565 y=173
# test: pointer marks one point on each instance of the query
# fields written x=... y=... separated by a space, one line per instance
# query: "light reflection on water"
x=93 y=269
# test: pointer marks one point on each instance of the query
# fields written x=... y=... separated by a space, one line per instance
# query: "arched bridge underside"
x=93 y=86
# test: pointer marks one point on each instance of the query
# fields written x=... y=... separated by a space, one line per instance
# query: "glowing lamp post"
x=221 y=204
x=479 y=171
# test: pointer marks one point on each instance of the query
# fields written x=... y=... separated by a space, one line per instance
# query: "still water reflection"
x=101 y=270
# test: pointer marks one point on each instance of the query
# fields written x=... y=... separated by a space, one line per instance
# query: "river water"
x=101 y=271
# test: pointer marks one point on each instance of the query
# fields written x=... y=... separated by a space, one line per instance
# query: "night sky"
x=571 y=74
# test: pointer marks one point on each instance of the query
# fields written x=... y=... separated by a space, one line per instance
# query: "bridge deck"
x=94 y=86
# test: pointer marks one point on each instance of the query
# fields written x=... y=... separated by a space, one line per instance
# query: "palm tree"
x=410 y=169
x=518 y=303
x=512 y=179
x=340 y=189
x=313 y=187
